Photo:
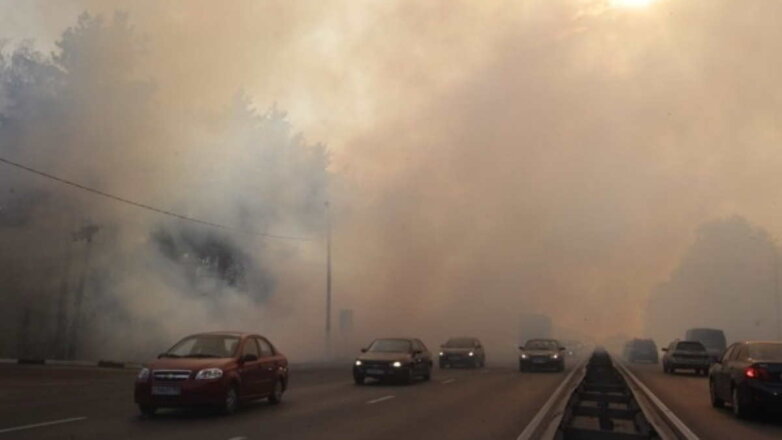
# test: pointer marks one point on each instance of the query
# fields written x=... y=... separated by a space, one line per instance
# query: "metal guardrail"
x=550 y=415
x=659 y=415
x=600 y=400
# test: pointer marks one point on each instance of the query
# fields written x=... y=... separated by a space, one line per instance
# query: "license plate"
x=375 y=371
x=538 y=361
x=166 y=390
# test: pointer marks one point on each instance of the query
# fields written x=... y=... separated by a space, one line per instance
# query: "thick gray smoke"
x=728 y=279
x=488 y=160
x=83 y=273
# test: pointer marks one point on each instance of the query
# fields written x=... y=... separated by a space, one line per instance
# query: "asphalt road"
x=489 y=403
x=687 y=395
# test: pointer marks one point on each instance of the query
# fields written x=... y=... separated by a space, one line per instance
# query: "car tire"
x=716 y=402
x=521 y=367
x=276 y=396
x=442 y=365
x=358 y=379
x=147 y=410
x=740 y=410
x=231 y=401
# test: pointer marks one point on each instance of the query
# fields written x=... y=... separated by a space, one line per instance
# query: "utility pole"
x=328 y=281
x=776 y=289
x=85 y=233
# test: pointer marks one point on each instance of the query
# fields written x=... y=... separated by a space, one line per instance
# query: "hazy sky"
x=492 y=157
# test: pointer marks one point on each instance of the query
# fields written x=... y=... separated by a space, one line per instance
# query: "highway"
x=96 y=403
x=687 y=395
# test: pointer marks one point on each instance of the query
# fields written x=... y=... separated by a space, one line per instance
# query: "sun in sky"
x=632 y=3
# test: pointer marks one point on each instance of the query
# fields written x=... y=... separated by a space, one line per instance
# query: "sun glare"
x=632 y=3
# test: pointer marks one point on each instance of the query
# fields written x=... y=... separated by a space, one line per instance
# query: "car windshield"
x=690 y=346
x=767 y=351
x=460 y=343
x=390 y=346
x=541 y=345
x=206 y=346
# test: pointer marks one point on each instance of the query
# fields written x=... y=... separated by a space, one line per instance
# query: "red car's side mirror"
x=363 y=350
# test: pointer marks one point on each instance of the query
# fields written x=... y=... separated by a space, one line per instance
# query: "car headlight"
x=470 y=354
x=523 y=356
x=554 y=356
x=397 y=364
x=209 y=373
x=442 y=354
x=143 y=375
x=358 y=363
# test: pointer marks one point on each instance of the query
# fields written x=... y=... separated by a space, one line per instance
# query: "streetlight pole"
x=776 y=289
x=328 y=281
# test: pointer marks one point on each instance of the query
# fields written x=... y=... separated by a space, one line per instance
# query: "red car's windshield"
x=216 y=346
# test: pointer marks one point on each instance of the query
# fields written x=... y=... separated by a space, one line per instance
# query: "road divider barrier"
x=601 y=399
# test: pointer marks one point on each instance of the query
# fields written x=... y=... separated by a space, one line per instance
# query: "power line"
x=148 y=207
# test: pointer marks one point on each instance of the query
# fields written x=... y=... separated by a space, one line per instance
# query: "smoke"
x=486 y=161
x=727 y=279
x=94 y=271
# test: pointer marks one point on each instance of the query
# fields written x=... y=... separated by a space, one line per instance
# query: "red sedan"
x=221 y=369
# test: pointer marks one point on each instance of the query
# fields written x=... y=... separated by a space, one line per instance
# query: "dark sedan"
x=393 y=358
x=465 y=351
x=220 y=369
x=749 y=377
x=641 y=350
x=686 y=355
x=542 y=354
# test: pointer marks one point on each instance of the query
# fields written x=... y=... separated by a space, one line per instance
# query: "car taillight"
x=758 y=373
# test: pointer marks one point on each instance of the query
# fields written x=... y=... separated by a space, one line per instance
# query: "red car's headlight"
x=209 y=373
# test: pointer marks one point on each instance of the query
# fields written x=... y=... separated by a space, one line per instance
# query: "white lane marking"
x=42 y=424
x=380 y=399
x=445 y=382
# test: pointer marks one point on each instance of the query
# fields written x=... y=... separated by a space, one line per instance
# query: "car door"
x=250 y=370
x=269 y=365
x=721 y=373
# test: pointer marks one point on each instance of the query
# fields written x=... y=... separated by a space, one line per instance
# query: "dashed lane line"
x=447 y=381
x=380 y=399
x=41 y=425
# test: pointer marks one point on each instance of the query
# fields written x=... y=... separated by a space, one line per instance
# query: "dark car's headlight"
x=397 y=364
x=358 y=362
x=143 y=375
x=209 y=373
